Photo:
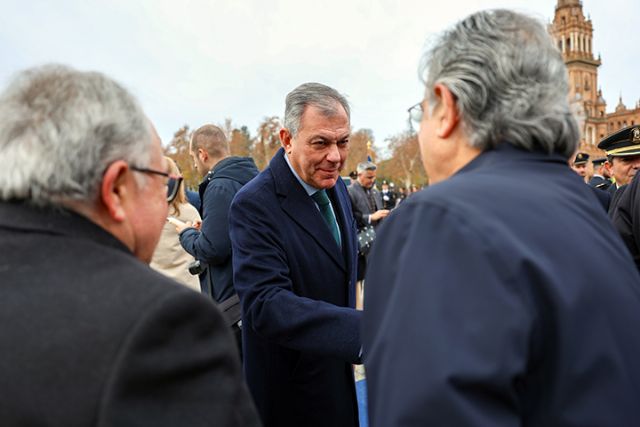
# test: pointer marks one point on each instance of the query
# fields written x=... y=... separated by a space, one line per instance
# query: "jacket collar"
x=505 y=152
x=55 y=221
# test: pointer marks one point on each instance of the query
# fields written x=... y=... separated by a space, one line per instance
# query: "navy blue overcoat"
x=296 y=287
x=502 y=297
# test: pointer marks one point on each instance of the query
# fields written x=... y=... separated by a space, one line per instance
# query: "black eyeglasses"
x=173 y=181
x=415 y=116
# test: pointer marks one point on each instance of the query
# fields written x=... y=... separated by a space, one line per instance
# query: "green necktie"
x=321 y=198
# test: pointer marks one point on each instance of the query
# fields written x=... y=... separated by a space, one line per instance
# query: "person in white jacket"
x=169 y=257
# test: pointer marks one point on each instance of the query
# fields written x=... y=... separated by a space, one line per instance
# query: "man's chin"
x=327 y=183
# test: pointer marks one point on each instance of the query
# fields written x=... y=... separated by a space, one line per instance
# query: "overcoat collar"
x=55 y=221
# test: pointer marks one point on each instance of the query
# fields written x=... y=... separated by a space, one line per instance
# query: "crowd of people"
x=485 y=303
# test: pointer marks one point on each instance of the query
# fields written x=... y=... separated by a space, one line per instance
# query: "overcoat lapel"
x=295 y=201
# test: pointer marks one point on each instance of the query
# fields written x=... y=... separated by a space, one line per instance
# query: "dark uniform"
x=626 y=215
x=625 y=142
x=599 y=181
x=388 y=197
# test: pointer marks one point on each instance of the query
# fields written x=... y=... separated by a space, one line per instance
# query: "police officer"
x=623 y=160
x=388 y=196
x=626 y=217
x=601 y=178
x=580 y=164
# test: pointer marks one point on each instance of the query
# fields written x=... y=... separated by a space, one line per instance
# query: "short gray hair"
x=509 y=81
x=366 y=166
x=59 y=131
x=316 y=94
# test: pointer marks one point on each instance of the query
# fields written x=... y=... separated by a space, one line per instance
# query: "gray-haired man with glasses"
x=485 y=301
x=89 y=334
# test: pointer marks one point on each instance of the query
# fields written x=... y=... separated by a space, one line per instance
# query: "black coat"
x=90 y=336
x=626 y=219
x=361 y=212
x=492 y=308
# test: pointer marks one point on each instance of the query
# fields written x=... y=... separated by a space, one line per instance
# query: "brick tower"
x=573 y=34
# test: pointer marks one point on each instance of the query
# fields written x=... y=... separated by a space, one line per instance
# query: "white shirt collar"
x=310 y=189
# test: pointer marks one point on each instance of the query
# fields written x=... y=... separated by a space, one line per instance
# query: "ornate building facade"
x=573 y=34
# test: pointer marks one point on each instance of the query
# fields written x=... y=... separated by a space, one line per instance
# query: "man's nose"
x=334 y=154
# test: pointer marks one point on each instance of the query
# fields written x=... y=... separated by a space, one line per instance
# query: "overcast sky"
x=196 y=62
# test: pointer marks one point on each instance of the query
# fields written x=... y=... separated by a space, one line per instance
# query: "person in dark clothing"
x=367 y=206
x=491 y=308
x=604 y=198
x=223 y=176
x=90 y=335
x=294 y=246
x=601 y=178
x=209 y=241
x=388 y=196
x=623 y=161
x=579 y=165
x=626 y=216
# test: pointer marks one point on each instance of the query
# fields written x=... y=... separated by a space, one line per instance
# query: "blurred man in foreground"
x=366 y=204
x=486 y=307
x=90 y=334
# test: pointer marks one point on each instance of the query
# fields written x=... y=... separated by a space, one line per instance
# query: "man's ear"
x=285 y=139
x=114 y=191
x=447 y=111
x=202 y=155
x=607 y=165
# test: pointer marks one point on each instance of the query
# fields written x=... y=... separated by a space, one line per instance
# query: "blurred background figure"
x=367 y=207
x=601 y=177
x=388 y=196
x=170 y=258
x=579 y=165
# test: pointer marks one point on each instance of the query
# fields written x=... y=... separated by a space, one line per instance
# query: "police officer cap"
x=598 y=161
x=581 y=159
x=625 y=142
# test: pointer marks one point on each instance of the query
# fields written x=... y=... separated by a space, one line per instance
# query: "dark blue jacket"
x=487 y=304
x=296 y=287
x=211 y=245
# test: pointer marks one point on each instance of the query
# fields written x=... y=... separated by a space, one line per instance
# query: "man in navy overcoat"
x=294 y=258
x=486 y=304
